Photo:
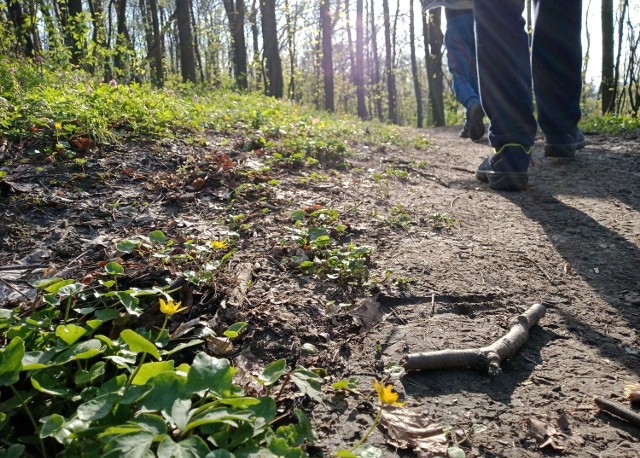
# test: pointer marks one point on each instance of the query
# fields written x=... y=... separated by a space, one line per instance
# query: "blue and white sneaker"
x=506 y=169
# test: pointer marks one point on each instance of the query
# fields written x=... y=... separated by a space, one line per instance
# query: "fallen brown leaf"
x=411 y=430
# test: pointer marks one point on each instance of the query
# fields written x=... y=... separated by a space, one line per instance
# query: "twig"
x=539 y=268
x=433 y=304
x=453 y=201
x=488 y=358
x=618 y=410
x=23 y=267
x=10 y=286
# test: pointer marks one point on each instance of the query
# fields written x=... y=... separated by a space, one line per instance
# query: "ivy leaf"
x=139 y=344
x=308 y=382
x=70 y=333
x=191 y=447
x=272 y=372
x=11 y=362
x=50 y=425
x=149 y=370
x=213 y=374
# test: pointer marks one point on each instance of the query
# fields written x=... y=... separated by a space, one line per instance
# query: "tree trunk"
x=123 y=42
x=433 y=57
x=157 y=76
x=292 y=26
x=608 y=83
x=274 y=83
x=414 y=66
x=74 y=27
x=185 y=40
x=195 y=41
x=327 y=55
x=23 y=43
x=255 y=34
x=358 y=73
x=389 y=67
x=618 y=97
x=375 y=77
x=235 y=15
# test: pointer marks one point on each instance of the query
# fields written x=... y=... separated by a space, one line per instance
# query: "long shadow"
x=606 y=260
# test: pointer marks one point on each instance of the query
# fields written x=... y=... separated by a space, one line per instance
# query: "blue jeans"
x=506 y=71
x=460 y=42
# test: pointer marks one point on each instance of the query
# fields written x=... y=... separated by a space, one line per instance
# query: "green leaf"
x=158 y=237
x=220 y=453
x=167 y=390
x=139 y=344
x=281 y=448
x=44 y=382
x=34 y=360
x=456 y=452
x=368 y=451
x=309 y=349
x=14 y=451
x=235 y=329
x=98 y=407
x=83 y=350
x=130 y=302
x=53 y=288
x=350 y=384
x=114 y=269
x=134 y=445
x=298 y=215
x=83 y=377
x=70 y=333
x=218 y=415
x=70 y=290
x=149 y=370
x=272 y=372
x=296 y=434
x=50 y=425
x=267 y=409
x=308 y=382
x=127 y=246
x=345 y=454
x=240 y=403
x=213 y=374
x=191 y=447
x=11 y=362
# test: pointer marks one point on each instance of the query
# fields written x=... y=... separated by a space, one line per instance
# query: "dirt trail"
x=571 y=241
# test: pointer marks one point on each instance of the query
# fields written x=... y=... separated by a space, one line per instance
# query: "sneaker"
x=475 y=115
x=506 y=169
x=464 y=133
x=564 y=145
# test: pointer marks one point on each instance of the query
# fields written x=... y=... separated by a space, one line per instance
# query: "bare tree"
x=414 y=66
x=358 y=71
x=326 y=31
x=185 y=38
x=392 y=98
x=274 y=83
x=607 y=84
x=235 y=14
x=433 y=40
x=375 y=64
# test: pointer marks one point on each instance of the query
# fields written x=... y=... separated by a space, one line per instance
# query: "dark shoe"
x=475 y=115
x=506 y=169
x=464 y=133
x=564 y=145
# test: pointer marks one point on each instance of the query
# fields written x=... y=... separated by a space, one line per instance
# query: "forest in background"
x=376 y=59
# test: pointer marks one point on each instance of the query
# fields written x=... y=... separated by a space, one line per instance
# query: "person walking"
x=506 y=71
x=459 y=39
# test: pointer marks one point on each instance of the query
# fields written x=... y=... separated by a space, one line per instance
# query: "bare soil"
x=571 y=242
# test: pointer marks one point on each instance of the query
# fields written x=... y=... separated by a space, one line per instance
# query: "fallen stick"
x=486 y=358
x=618 y=410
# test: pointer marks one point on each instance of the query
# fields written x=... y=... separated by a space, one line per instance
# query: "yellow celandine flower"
x=218 y=244
x=57 y=125
x=386 y=394
x=170 y=308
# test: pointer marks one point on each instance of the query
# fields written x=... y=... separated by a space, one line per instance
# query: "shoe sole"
x=476 y=124
x=562 y=150
x=508 y=181
x=504 y=181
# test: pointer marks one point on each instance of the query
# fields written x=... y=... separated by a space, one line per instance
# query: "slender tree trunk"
x=389 y=67
x=358 y=73
x=414 y=66
x=74 y=27
x=274 y=80
x=24 y=43
x=235 y=14
x=123 y=42
x=616 y=71
x=185 y=39
x=196 y=41
x=327 y=55
x=156 y=50
x=375 y=80
x=433 y=56
x=255 y=34
x=608 y=83
x=292 y=24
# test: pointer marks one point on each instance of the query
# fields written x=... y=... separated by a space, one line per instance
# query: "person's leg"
x=504 y=71
x=461 y=57
x=556 y=61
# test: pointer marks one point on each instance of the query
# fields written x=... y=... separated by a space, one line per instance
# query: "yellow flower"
x=218 y=244
x=57 y=125
x=170 y=308
x=386 y=394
